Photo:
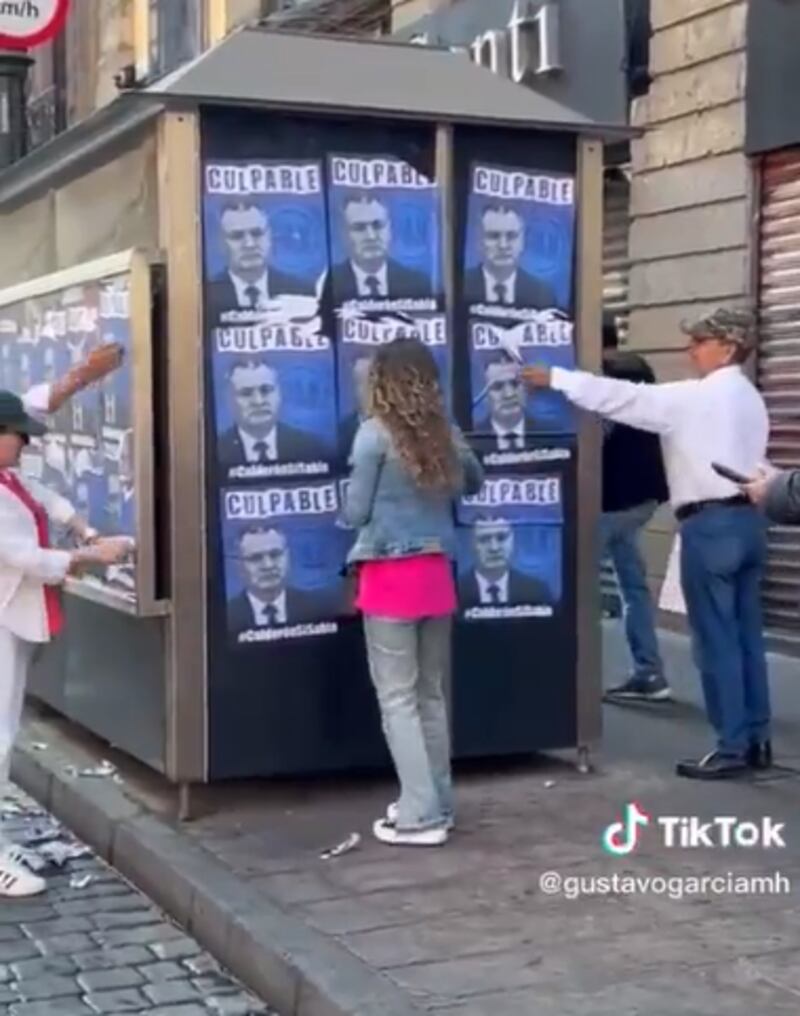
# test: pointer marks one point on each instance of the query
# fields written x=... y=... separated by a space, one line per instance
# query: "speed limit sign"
x=28 y=23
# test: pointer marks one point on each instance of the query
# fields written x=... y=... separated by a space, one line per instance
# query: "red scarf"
x=52 y=597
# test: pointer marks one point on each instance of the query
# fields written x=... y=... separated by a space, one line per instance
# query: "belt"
x=687 y=510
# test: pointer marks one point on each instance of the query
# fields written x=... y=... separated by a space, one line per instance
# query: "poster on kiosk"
x=517 y=293
x=319 y=247
x=386 y=272
x=514 y=646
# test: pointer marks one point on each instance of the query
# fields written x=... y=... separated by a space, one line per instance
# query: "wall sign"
x=28 y=23
x=527 y=47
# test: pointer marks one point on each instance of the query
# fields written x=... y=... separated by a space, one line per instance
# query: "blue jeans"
x=723 y=551
x=619 y=534
x=409 y=662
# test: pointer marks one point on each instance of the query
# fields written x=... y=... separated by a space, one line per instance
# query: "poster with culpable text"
x=517 y=288
x=283 y=557
x=510 y=553
x=272 y=362
x=386 y=281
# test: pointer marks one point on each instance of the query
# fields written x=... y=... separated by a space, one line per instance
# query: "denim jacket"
x=394 y=516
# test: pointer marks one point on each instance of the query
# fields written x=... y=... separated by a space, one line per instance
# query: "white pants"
x=15 y=656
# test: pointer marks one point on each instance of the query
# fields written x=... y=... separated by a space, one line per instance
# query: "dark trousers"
x=723 y=552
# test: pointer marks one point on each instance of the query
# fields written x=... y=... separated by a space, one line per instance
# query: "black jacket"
x=633 y=466
x=783 y=498
x=403 y=283
x=522 y=589
x=292 y=446
x=528 y=291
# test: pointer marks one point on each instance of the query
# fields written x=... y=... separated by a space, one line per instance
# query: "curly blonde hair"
x=404 y=394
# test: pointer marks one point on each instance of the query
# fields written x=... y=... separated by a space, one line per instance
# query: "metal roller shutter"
x=779 y=364
x=616 y=269
x=616 y=260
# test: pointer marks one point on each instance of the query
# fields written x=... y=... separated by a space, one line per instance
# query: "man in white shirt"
x=249 y=281
x=719 y=418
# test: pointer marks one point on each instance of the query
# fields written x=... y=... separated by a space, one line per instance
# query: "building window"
x=175 y=33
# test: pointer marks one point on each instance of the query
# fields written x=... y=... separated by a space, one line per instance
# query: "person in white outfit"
x=30 y=607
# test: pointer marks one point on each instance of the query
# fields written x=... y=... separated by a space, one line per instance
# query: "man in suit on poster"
x=257 y=435
x=499 y=278
x=506 y=395
x=349 y=426
x=369 y=273
x=493 y=581
x=249 y=281
x=267 y=600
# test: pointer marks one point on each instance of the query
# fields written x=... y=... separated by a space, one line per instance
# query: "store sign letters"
x=527 y=47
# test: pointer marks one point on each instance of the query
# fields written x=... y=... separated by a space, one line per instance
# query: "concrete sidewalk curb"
x=293 y=967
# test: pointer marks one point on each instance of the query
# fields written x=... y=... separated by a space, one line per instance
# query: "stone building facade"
x=691 y=190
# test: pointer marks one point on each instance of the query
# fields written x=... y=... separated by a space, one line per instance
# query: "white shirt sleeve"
x=45 y=565
x=37 y=401
x=644 y=406
x=58 y=508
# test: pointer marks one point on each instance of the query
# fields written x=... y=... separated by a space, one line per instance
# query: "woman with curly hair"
x=408 y=467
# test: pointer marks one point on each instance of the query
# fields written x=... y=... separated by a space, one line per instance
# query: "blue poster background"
x=546 y=411
x=549 y=246
x=537 y=554
x=290 y=195
x=297 y=224
x=308 y=392
x=534 y=509
x=317 y=546
x=414 y=213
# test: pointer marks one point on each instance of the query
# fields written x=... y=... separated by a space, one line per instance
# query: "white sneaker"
x=16 y=880
x=435 y=836
x=391 y=817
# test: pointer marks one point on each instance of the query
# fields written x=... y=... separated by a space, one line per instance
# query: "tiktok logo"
x=622 y=838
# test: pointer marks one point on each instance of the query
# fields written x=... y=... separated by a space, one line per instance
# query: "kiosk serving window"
x=98 y=452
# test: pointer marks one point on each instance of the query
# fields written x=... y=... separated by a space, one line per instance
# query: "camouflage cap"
x=730 y=324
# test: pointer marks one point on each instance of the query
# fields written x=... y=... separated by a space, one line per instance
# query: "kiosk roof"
x=255 y=66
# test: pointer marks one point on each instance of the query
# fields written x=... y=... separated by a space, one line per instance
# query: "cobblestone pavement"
x=93 y=944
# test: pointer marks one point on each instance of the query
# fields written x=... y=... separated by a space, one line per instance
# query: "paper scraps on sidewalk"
x=102 y=770
x=352 y=841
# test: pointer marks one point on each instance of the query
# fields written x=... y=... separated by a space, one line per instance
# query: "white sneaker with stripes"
x=15 y=879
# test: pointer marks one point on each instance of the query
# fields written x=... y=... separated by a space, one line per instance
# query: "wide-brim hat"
x=15 y=418
x=726 y=324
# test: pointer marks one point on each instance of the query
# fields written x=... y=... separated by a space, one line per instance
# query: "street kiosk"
x=251 y=227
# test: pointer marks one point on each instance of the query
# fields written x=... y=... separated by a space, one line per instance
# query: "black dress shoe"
x=713 y=767
x=759 y=755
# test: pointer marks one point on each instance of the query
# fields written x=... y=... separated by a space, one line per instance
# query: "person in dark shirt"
x=634 y=484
